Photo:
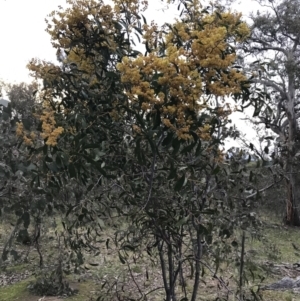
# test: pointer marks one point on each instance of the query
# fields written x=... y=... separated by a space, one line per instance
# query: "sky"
x=23 y=35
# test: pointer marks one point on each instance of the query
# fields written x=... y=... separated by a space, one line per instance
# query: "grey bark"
x=275 y=44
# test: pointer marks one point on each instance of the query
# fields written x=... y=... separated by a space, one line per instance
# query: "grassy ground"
x=268 y=256
x=19 y=291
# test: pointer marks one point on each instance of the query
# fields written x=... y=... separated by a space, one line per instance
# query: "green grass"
x=17 y=268
x=276 y=245
x=280 y=296
x=17 y=291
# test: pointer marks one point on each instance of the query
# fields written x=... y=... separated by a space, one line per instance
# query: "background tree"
x=22 y=97
x=16 y=169
x=275 y=44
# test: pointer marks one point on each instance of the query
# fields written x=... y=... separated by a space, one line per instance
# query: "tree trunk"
x=292 y=201
x=292 y=173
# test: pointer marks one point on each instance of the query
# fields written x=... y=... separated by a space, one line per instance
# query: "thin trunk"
x=292 y=211
x=172 y=280
x=37 y=236
x=163 y=269
x=292 y=179
x=292 y=183
x=242 y=267
x=197 y=267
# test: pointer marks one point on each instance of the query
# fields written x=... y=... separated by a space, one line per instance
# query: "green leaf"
x=182 y=221
x=72 y=171
x=127 y=246
x=52 y=166
x=203 y=230
x=216 y=170
x=189 y=148
x=41 y=204
x=4 y=255
x=168 y=139
x=15 y=254
x=209 y=211
x=266 y=150
x=172 y=173
x=122 y=259
x=179 y=183
x=101 y=222
x=27 y=123
x=251 y=176
x=26 y=219
x=5 y=116
x=234 y=244
x=23 y=236
x=219 y=15
x=225 y=233
x=176 y=146
x=145 y=21
x=157 y=120
x=198 y=149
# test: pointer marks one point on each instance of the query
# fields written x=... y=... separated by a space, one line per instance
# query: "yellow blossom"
x=49 y=130
x=27 y=141
x=20 y=129
x=136 y=129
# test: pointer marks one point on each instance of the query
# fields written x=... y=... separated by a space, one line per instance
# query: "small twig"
x=132 y=277
x=153 y=290
x=96 y=183
x=221 y=281
x=242 y=266
x=264 y=189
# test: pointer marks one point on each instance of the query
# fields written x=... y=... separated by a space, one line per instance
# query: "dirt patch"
x=11 y=278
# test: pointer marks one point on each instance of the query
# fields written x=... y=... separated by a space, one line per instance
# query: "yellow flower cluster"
x=219 y=158
x=28 y=138
x=49 y=129
x=185 y=84
x=20 y=129
x=83 y=63
x=204 y=132
x=189 y=49
x=77 y=20
x=151 y=34
x=134 y=6
x=42 y=69
x=136 y=129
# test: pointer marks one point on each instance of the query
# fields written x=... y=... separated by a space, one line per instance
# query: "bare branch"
x=264 y=189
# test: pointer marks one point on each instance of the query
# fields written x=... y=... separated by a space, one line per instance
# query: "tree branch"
x=270 y=84
x=264 y=189
x=275 y=48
